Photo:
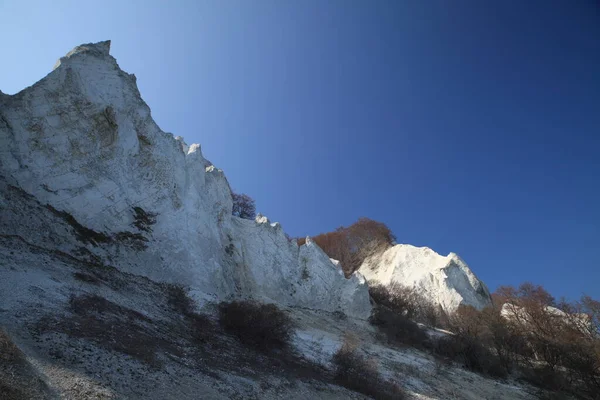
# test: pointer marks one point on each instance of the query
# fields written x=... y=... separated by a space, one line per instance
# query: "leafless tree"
x=243 y=206
x=353 y=244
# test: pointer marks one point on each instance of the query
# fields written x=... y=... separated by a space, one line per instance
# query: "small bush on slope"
x=564 y=341
x=469 y=346
x=470 y=353
x=201 y=327
x=557 y=351
x=472 y=344
x=262 y=326
x=112 y=327
x=397 y=328
x=87 y=278
x=178 y=299
x=407 y=302
x=17 y=379
x=356 y=373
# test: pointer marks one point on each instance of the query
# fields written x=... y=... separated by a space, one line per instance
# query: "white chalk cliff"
x=447 y=281
x=80 y=146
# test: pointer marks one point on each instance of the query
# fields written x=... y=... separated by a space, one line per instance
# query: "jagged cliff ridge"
x=447 y=281
x=81 y=146
x=95 y=199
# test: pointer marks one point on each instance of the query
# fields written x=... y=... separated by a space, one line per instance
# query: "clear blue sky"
x=466 y=126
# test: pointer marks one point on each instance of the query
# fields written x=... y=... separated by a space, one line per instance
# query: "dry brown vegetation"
x=557 y=351
x=178 y=299
x=409 y=303
x=531 y=339
x=115 y=328
x=469 y=346
x=353 y=244
x=201 y=328
x=262 y=326
x=181 y=335
x=398 y=329
x=17 y=378
x=359 y=374
x=87 y=278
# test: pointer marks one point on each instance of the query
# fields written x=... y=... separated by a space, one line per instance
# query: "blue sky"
x=466 y=126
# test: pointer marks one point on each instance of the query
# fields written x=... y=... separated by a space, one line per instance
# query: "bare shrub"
x=554 y=346
x=564 y=336
x=582 y=343
x=397 y=328
x=83 y=234
x=471 y=354
x=17 y=378
x=178 y=299
x=406 y=302
x=87 y=278
x=243 y=206
x=356 y=373
x=353 y=244
x=9 y=353
x=261 y=326
x=89 y=304
x=143 y=220
x=503 y=339
x=199 y=326
x=544 y=377
x=136 y=241
x=472 y=343
x=591 y=309
x=530 y=311
x=582 y=363
x=113 y=327
x=8 y=350
x=202 y=329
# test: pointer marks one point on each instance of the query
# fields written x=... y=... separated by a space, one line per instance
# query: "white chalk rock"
x=83 y=141
x=447 y=281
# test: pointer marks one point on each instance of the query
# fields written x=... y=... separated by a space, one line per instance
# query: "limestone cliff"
x=447 y=281
x=82 y=146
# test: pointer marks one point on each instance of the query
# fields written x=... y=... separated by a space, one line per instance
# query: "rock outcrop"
x=447 y=281
x=81 y=146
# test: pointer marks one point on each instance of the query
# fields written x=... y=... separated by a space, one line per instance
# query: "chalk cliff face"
x=447 y=281
x=80 y=146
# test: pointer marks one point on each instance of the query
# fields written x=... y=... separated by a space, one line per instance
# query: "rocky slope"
x=447 y=281
x=82 y=143
x=101 y=211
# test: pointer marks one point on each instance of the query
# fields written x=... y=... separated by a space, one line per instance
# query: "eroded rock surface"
x=447 y=281
x=82 y=144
